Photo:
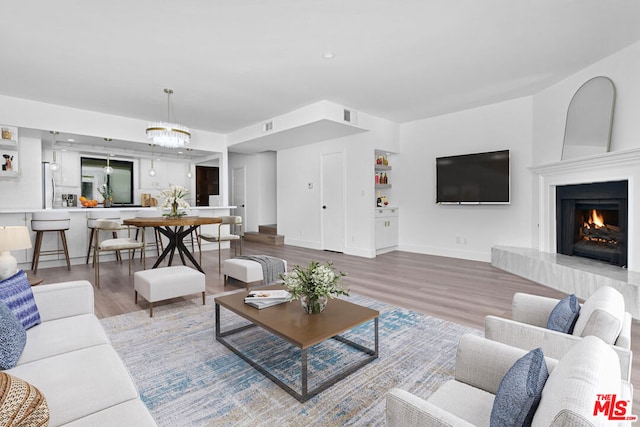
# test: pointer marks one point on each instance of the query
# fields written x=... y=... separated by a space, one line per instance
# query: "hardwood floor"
x=453 y=289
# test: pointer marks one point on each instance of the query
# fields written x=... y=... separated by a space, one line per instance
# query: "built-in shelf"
x=383 y=185
x=9 y=175
x=11 y=144
x=383 y=167
x=9 y=151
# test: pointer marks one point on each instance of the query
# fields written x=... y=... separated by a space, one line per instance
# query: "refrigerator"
x=48 y=186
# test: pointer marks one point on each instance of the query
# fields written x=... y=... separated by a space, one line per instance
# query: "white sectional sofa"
x=69 y=358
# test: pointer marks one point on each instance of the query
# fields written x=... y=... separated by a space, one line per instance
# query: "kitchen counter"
x=127 y=208
x=78 y=233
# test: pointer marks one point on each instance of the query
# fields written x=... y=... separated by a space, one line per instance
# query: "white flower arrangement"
x=174 y=199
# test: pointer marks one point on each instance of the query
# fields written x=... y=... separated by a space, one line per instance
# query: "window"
x=121 y=180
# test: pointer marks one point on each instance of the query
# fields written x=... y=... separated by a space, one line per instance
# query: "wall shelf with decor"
x=382 y=178
x=9 y=152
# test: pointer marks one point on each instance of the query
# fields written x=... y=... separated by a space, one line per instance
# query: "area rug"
x=186 y=378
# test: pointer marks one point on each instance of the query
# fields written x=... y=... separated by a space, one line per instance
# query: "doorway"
x=207 y=184
x=238 y=192
x=332 y=215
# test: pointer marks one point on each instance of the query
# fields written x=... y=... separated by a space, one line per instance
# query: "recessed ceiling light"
x=70 y=139
x=328 y=55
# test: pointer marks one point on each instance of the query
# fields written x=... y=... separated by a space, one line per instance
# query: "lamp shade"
x=14 y=237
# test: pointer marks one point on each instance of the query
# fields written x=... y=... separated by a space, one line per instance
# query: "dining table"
x=175 y=229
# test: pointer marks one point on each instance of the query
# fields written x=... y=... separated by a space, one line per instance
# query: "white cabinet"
x=387 y=231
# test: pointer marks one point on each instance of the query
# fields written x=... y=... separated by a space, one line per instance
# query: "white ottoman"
x=167 y=282
x=244 y=270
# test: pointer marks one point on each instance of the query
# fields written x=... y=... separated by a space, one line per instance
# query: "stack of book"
x=264 y=299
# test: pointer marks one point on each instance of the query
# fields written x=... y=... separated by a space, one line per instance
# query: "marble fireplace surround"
x=577 y=275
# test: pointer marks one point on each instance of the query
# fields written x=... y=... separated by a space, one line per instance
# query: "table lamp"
x=11 y=239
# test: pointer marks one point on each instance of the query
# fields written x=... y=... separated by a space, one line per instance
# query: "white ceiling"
x=239 y=62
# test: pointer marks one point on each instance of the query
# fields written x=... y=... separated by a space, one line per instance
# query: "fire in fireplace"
x=598 y=235
x=592 y=221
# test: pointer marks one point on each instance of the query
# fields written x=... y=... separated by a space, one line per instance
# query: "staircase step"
x=268 y=229
x=270 y=239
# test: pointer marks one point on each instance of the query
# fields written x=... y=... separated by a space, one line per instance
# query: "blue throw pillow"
x=564 y=315
x=16 y=293
x=13 y=338
x=519 y=391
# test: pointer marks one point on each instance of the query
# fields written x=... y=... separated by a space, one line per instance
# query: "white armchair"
x=568 y=396
x=601 y=315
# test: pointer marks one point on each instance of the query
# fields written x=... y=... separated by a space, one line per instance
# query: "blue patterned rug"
x=186 y=378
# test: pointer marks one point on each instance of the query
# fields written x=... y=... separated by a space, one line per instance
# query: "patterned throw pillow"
x=564 y=315
x=21 y=404
x=16 y=294
x=13 y=338
x=520 y=391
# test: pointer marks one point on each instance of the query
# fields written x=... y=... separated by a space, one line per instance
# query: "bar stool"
x=150 y=213
x=49 y=220
x=97 y=214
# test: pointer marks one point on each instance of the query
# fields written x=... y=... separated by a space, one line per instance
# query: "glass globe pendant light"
x=53 y=166
x=152 y=171
x=107 y=169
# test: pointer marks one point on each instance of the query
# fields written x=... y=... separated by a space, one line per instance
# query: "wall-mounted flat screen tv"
x=473 y=178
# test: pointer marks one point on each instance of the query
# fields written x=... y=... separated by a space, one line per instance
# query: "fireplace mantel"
x=613 y=166
x=575 y=274
x=607 y=160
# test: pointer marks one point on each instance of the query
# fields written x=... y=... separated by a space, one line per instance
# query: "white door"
x=238 y=191
x=333 y=205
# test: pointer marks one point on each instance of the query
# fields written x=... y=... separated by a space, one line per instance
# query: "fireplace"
x=592 y=220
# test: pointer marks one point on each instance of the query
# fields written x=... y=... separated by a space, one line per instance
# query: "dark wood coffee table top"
x=290 y=322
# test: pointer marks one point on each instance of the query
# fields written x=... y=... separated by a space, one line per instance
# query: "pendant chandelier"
x=167 y=134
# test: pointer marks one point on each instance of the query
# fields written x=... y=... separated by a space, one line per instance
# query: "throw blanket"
x=271 y=267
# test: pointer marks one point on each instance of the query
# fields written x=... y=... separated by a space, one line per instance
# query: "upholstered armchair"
x=477 y=394
x=602 y=314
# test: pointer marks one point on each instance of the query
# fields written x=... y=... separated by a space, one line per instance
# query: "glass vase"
x=313 y=304
x=174 y=210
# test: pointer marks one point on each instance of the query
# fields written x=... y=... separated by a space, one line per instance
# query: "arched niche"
x=589 y=119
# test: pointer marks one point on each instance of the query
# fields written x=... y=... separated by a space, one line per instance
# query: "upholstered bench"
x=244 y=270
x=159 y=284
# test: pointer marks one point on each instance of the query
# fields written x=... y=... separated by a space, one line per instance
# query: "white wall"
x=25 y=190
x=299 y=207
x=267 y=214
x=550 y=106
x=467 y=231
x=260 y=180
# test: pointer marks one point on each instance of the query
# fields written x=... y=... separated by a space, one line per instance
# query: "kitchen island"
x=78 y=233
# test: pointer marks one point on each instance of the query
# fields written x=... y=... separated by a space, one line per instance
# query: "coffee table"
x=291 y=323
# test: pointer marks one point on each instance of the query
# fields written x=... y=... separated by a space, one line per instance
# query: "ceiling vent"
x=267 y=126
x=350 y=116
